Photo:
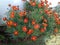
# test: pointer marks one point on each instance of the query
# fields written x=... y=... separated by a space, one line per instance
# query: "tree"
x=36 y=21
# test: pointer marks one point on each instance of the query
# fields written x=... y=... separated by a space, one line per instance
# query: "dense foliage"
x=36 y=20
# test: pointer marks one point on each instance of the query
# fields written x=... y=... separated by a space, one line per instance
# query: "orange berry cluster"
x=57 y=19
x=11 y=23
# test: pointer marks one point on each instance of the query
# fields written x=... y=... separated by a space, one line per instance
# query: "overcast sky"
x=4 y=5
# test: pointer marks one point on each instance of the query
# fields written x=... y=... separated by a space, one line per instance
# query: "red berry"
x=39 y=5
x=24 y=28
x=4 y=18
x=30 y=31
x=15 y=33
x=44 y=24
x=45 y=20
x=36 y=26
x=15 y=8
x=33 y=4
x=46 y=11
x=12 y=13
x=21 y=13
x=15 y=24
x=9 y=22
x=33 y=38
x=33 y=22
x=11 y=16
x=42 y=30
x=26 y=20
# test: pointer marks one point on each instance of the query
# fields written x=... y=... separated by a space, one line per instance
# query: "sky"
x=4 y=5
x=54 y=2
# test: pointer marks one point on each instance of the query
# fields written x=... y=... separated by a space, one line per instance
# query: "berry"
x=9 y=23
x=15 y=33
x=42 y=30
x=4 y=18
x=24 y=13
x=44 y=24
x=33 y=38
x=11 y=16
x=15 y=24
x=24 y=28
x=36 y=26
x=15 y=8
x=30 y=31
x=33 y=22
x=21 y=13
x=26 y=20
x=12 y=13
x=39 y=6
x=33 y=4
x=45 y=20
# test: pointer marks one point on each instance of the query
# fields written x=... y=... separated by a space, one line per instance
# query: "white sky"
x=54 y=2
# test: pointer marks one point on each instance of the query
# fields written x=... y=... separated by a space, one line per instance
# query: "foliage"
x=35 y=21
